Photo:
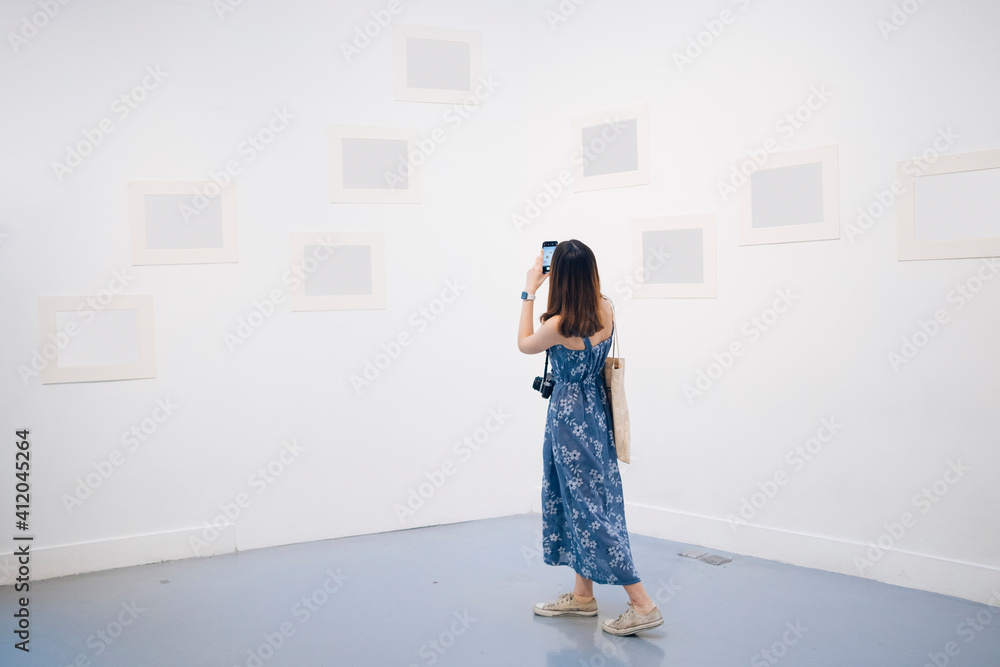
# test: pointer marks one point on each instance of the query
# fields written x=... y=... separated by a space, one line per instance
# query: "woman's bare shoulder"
x=552 y=324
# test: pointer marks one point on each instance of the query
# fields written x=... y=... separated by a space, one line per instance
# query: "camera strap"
x=545 y=373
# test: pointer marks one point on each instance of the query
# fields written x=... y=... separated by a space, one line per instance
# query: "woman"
x=583 y=515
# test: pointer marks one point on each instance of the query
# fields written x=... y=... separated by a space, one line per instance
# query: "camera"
x=544 y=386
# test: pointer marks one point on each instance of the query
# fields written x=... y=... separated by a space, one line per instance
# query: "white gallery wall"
x=855 y=431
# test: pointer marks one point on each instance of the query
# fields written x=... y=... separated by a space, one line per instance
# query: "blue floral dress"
x=583 y=510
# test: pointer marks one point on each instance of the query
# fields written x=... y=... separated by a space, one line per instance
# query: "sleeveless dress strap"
x=586 y=342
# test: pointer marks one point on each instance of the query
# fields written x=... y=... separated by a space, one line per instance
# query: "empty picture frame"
x=611 y=148
x=338 y=270
x=374 y=164
x=952 y=209
x=441 y=65
x=674 y=257
x=182 y=222
x=91 y=340
x=794 y=196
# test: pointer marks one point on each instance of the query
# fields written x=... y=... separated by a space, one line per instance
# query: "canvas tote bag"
x=614 y=381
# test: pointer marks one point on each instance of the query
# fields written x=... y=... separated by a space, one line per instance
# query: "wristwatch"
x=527 y=297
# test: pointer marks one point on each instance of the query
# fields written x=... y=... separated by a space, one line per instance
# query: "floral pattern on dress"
x=583 y=517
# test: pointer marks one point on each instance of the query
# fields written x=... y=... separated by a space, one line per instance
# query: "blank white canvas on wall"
x=111 y=341
x=794 y=196
x=441 y=65
x=374 y=164
x=674 y=256
x=105 y=338
x=347 y=270
x=787 y=196
x=611 y=148
x=952 y=209
x=338 y=270
x=182 y=222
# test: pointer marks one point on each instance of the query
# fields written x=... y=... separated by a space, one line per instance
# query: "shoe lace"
x=565 y=597
x=622 y=618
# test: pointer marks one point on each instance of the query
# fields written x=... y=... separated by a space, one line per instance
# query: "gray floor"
x=461 y=594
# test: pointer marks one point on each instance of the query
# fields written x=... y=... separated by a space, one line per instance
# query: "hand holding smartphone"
x=548 y=247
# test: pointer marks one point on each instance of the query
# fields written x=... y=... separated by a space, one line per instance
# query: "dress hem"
x=596 y=581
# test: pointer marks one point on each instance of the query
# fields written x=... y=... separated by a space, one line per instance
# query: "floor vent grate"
x=711 y=559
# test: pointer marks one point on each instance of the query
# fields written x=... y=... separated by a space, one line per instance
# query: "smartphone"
x=548 y=247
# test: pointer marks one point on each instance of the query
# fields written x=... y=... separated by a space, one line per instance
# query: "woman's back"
x=584 y=365
x=577 y=343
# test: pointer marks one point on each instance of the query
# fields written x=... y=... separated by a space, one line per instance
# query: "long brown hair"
x=574 y=290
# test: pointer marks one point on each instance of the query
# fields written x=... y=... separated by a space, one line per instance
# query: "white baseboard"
x=927 y=572
x=970 y=581
x=108 y=554
x=66 y=559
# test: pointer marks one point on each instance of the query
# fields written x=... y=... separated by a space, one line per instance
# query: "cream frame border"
x=145 y=367
x=638 y=112
x=143 y=256
x=404 y=93
x=335 y=158
x=377 y=299
x=908 y=247
x=708 y=289
x=826 y=230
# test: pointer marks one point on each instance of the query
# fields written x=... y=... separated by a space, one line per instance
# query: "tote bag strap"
x=614 y=329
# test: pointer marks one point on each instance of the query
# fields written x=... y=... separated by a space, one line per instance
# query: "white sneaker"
x=566 y=605
x=632 y=622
